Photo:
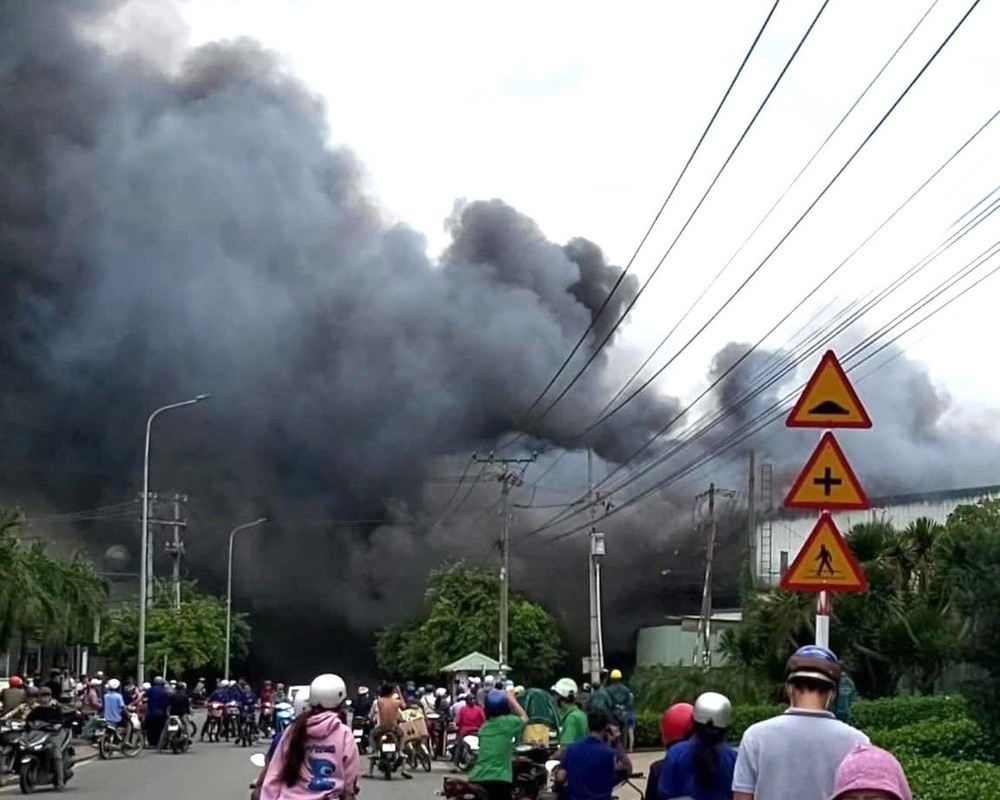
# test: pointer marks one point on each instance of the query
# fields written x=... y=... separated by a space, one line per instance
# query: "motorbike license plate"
x=357 y=735
x=388 y=748
x=134 y=719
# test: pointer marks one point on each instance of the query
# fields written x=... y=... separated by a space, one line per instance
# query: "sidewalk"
x=641 y=761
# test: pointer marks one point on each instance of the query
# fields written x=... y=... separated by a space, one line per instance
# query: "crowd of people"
x=805 y=753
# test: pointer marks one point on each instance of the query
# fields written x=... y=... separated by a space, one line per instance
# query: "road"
x=211 y=771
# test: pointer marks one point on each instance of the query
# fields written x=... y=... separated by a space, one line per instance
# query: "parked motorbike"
x=178 y=735
x=213 y=722
x=361 y=727
x=35 y=763
x=385 y=758
x=10 y=735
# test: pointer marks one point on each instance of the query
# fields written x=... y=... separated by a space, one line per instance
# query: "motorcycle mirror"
x=258 y=759
x=551 y=765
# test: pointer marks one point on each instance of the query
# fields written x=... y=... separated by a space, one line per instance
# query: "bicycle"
x=417 y=753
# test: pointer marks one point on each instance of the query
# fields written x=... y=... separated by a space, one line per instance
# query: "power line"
x=763 y=220
x=684 y=227
x=607 y=300
x=795 y=225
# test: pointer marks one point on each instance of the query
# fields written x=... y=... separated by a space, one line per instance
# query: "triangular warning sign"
x=825 y=563
x=827 y=481
x=829 y=400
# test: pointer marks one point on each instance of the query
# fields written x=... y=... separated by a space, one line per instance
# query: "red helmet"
x=677 y=723
x=16 y=682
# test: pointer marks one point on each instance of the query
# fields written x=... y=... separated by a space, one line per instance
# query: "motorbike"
x=213 y=721
x=468 y=751
x=246 y=731
x=361 y=727
x=385 y=758
x=436 y=731
x=259 y=760
x=35 y=764
x=10 y=734
x=178 y=735
x=113 y=739
x=531 y=776
x=267 y=719
x=283 y=716
x=231 y=720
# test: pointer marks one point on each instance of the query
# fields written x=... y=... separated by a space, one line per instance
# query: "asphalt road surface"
x=210 y=772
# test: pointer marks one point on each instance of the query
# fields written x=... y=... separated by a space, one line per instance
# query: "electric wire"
x=794 y=226
x=618 y=282
x=732 y=153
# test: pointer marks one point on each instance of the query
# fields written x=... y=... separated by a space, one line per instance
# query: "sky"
x=582 y=114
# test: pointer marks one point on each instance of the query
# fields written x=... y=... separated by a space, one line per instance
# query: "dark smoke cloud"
x=167 y=232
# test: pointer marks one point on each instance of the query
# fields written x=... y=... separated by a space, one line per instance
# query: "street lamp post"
x=144 y=546
x=229 y=589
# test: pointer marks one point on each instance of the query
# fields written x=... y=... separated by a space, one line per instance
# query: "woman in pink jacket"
x=317 y=758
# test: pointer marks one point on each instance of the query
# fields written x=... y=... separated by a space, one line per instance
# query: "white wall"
x=789 y=533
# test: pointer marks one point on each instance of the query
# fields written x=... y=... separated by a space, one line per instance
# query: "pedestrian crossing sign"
x=825 y=563
x=827 y=482
x=829 y=400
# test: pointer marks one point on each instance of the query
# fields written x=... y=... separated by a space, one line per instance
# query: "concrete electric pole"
x=508 y=478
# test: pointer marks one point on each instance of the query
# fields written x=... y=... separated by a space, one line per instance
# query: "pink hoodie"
x=331 y=768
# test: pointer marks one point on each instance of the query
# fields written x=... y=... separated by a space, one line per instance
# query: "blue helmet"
x=815 y=662
x=496 y=703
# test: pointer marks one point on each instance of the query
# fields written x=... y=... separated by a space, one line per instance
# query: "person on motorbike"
x=178 y=705
x=218 y=695
x=701 y=767
x=572 y=721
x=114 y=705
x=130 y=692
x=317 y=757
x=157 y=706
x=266 y=699
x=363 y=702
x=280 y=695
x=92 y=699
x=300 y=705
x=200 y=688
x=594 y=766
x=49 y=712
x=481 y=691
x=13 y=695
x=468 y=722
x=411 y=696
x=427 y=700
x=676 y=725
x=505 y=721
x=385 y=715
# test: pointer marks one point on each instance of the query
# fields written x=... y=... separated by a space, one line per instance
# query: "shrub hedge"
x=941 y=779
x=956 y=740
x=871 y=716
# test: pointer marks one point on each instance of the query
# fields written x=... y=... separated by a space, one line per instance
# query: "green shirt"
x=496 y=749
x=573 y=726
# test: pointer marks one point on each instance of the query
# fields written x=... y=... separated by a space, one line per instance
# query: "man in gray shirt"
x=795 y=756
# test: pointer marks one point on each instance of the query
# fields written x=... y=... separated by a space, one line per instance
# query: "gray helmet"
x=712 y=708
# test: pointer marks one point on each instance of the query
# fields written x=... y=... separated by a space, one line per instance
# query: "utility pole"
x=147 y=589
x=176 y=548
x=703 y=646
x=508 y=478
x=594 y=662
x=750 y=555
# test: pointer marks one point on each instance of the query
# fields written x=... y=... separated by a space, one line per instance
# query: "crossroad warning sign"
x=829 y=400
x=825 y=563
x=827 y=482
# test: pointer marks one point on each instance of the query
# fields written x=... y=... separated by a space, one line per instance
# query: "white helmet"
x=95 y=681
x=489 y=680
x=712 y=708
x=441 y=692
x=113 y=684
x=566 y=688
x=327 y=691
x=145 y=686
x=300 y=705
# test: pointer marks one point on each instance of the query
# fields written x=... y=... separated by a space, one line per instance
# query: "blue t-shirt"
x=590 y=770
x=157 y=701
x=114 y=705
x=677 y=777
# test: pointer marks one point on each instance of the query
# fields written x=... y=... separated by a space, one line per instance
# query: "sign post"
x=827 y=483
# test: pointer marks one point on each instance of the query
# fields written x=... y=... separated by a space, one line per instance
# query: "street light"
x=229 y=588
x=144 y=546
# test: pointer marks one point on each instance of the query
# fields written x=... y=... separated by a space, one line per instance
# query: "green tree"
x=190 y=638
x=43 y=598
x=462 y=615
